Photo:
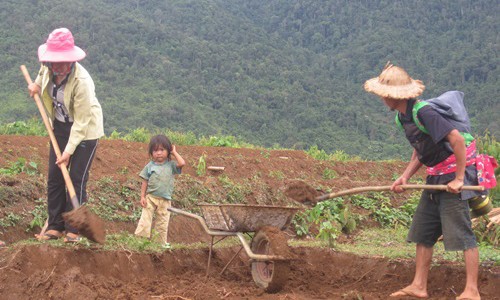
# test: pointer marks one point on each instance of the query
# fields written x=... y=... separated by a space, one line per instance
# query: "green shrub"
x=338 y=155
x=33 y=126
x=381 y=209
x=489 y=145
x=183 y=139
x=329 y=174
x=316 y=153
x=201 y=167
x=21 y=166
x=332 y=217
x=141 y=135
x=39 y=215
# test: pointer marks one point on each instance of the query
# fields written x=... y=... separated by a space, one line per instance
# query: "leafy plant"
x=235 y=193
x=21 y=166
x=32 y=126
x=328 y=230
x=115 y=135
x=332 y=217
x=316 y=153
x=180 y=138
x=192 y=192
x=106 y=207
x=329 y=174
x=201 y=167
x=382 y=210
x=338 y=155
x=39 y=214
x=138 y=135
x=11 y=219
x=219 y=141
x=489 y=145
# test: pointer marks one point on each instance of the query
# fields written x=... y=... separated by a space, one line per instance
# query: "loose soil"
x=43 y=271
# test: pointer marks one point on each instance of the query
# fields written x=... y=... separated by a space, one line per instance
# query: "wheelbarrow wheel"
x=270 y=275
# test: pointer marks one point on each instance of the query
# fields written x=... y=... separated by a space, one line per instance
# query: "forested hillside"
x=273 y=72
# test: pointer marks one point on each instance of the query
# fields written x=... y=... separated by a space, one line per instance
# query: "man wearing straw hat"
x=438 y=213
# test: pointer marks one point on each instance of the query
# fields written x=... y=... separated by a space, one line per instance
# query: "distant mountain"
x=273 y=72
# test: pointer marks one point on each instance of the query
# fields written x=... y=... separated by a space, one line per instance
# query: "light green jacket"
x=81 y=102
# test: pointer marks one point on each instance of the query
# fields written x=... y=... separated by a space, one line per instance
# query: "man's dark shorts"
x=442 y=214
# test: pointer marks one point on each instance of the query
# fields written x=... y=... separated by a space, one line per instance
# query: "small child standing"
x=158 y=186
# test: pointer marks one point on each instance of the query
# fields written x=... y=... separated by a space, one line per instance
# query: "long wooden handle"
x=388 y=188
x=57 y=150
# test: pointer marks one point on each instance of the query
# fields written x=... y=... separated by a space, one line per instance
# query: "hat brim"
x=414 y=89
x=75 y=54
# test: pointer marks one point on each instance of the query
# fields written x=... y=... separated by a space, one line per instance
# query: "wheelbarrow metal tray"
x=246 y=218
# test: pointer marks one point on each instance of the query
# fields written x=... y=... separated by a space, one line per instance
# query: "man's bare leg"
x=418 y=288
x=471 y=257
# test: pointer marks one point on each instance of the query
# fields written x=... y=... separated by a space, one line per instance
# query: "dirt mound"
x=36 y=272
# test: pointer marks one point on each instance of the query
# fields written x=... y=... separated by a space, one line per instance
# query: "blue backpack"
x=451 y=106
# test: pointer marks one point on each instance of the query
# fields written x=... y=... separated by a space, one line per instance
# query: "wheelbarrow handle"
x=57 y=150
x=357 y=190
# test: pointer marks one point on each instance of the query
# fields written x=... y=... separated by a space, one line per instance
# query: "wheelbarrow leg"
x=209 y=255
x=231 y=260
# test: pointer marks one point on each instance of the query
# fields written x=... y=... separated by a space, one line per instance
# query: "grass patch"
x=130 y=242
x=391 y=243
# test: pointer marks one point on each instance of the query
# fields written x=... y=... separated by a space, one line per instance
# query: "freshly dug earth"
x=301 y=192
x=42 y=271
x=88 y=224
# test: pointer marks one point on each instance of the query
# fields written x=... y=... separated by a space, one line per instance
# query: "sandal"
x=50 y=235
x=72 y=238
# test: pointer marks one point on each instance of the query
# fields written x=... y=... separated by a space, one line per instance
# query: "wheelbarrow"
x=268 y=250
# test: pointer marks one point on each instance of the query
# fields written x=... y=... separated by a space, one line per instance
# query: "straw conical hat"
x=394 y=83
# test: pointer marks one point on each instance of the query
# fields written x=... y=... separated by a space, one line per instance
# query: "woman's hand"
x=64 y=159
x=33 y=89
x=144 y=203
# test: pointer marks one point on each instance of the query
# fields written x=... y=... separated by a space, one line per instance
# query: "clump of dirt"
x=278 y=244
x=88 y=224
x=302 y=192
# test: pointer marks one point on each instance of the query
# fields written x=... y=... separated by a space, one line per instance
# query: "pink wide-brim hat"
x=394 y=83
x=60 y=47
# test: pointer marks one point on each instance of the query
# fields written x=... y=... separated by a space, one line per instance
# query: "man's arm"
x=411 y=169
x=457 y=143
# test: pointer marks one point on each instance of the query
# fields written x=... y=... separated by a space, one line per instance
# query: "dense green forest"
x=285 y=73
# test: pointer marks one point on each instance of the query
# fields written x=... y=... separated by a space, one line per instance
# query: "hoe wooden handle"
x=388 y=188
x=57 y=150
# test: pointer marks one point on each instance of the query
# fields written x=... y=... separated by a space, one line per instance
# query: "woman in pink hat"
x=68 y=94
